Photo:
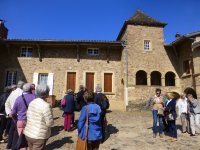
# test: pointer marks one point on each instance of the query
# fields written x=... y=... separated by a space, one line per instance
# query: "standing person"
x=183 y=113
x=101 y=100
x=12 y=136
x=93 y=112
x=171 y=111
x=68 y=109
x=3 y=119
x=158 y=103
x=80 y=99
x=33 y=89
x=39 y=120
x=9 y=119
x=20 y=108
x=194 y=113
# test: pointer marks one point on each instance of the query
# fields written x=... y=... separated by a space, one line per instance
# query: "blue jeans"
x=156 y=119
x=172 y=128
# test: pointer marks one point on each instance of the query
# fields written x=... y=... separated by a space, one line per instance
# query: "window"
x=43 y=78
x=186 y=67
x=26 y=52
x=147 y=45
x=93 y=51
x=107 y=82
x=11 y=78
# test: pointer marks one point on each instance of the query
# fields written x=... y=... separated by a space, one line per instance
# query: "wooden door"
x=108 y=82
x=90 y=81
x=71 y=80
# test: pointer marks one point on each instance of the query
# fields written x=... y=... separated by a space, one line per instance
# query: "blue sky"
x=93 y=19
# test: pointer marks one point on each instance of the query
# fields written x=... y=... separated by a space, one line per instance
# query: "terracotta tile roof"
x=140 y=18
x=188 y=36
x=75 y=42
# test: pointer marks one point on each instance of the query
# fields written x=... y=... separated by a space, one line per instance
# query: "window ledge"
x=109 y=93
x=25 y=57
x=186 y=75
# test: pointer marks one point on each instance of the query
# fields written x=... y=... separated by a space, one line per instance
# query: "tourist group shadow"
x=110 y=129
x=59 y=143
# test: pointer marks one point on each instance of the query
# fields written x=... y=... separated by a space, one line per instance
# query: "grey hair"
x=98 y=88
x=27 y=87
x=42 y=90
x=20 y=84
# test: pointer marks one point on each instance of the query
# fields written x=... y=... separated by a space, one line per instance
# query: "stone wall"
x=62 y=59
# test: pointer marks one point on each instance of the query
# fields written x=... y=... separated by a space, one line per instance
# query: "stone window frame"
x=26 y=52
x=150 y=45
x=93 y=51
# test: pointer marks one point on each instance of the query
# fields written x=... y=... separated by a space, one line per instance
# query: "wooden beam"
x=78 y=53
x=39 y=52
x=108 y=54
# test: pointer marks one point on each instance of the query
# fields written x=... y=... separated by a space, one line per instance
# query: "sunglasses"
x=157 y=93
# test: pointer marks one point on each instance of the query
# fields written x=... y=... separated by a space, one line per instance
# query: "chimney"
x=177 y=35
x=3 y=30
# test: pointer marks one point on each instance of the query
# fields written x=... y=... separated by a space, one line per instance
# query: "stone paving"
x=125 y=131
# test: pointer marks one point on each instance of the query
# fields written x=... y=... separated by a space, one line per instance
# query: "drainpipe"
x=192 y=66
x=192 y=63
x=124 y=44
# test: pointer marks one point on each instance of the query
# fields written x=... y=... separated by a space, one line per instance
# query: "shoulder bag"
x=82 y=144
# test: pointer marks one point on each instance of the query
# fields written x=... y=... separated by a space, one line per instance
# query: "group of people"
x=24 y=111
x=91 y=122
x=170 y=106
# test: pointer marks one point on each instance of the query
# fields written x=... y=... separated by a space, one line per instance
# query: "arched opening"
x=169 y=79
x=155 y=78
x=141 y=78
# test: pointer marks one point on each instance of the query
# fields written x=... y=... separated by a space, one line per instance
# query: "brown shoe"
x=154 y=135
x=174 y=140
x=161 y=135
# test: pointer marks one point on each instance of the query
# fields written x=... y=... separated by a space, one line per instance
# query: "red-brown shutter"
x=71 y=80
x=108 y=82
x=90 y=81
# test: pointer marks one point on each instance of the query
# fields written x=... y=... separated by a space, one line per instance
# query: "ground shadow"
x=108 y=111
x=56 y=130
x=55 y=118
x=59 y=143
x=110 y=129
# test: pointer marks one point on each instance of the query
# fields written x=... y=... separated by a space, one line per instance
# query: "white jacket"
x=11 y=100
x=39 y=120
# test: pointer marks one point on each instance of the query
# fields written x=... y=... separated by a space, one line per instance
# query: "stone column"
x=148 y=79
x=163 y=81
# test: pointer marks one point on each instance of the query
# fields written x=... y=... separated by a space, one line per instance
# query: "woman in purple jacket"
x=93 y=111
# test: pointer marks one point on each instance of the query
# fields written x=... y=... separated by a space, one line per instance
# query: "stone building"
x=129 y=69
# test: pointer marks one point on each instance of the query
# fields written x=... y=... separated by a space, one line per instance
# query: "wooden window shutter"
x=107 y=82
x=71 y=80
x=90 y=81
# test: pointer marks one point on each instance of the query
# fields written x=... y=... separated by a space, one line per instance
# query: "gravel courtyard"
x=125 y=131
